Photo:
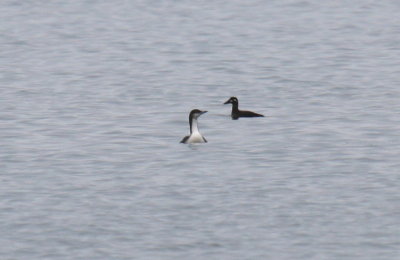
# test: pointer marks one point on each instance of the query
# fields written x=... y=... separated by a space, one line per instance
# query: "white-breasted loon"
x=195 y=136
x=236 y=113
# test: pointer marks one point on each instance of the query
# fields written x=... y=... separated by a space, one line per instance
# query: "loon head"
x=195 y=113
x=232 y=100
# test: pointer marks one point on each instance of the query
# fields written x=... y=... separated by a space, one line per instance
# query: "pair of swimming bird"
x=196 y=137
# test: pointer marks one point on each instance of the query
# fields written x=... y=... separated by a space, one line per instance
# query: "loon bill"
x=195 y=136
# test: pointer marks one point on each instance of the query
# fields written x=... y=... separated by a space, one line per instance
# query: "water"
x=95 y=97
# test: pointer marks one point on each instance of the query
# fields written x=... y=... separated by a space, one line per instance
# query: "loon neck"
x=235 y=107
x=193 y=126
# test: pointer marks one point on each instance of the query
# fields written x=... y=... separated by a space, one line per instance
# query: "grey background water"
x=95 y=97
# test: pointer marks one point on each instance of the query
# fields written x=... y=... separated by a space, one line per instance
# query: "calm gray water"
x=95 y=97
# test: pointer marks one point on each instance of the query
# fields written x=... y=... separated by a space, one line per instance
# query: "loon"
x=236 y=113
x=195 y=136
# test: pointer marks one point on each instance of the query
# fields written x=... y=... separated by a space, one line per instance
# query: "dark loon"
x=236 y=113
x=195 y=136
